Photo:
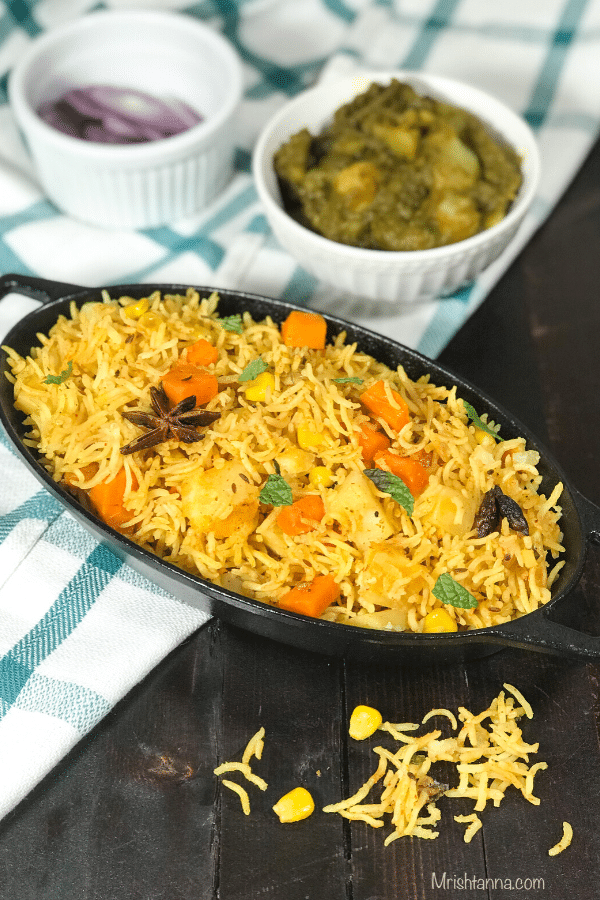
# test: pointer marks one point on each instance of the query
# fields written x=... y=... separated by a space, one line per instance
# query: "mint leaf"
x=253 y=370
x=479 y=423
x=451 y=592
x=276 y=491
x=392 y=485
x=58 y=379
x=350 y=379
x=232 y=323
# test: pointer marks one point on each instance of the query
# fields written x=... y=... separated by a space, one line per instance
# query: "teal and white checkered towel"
x=69 y=611
x=77 y=631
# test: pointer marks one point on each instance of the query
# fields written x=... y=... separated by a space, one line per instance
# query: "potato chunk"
x=359 y=511
x=222 y=500
x=455 y=166
x=387 y=580
x=457 y=218
x=450 y=510
x=295 y=461
x=357 y=184
x=404 y=142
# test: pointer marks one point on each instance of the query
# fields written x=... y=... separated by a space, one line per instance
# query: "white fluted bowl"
x=384 y=275
x=163 y=54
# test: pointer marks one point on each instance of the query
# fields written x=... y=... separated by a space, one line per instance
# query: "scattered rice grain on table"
x=565 y=841
x=488 y=759
x=254 y=747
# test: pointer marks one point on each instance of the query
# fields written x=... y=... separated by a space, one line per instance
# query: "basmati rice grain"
x=519 y=696
x=474 y=826
x=246 y=771
x=564 y=842
x=254 y=747
x=440 y=712
x=241 y=792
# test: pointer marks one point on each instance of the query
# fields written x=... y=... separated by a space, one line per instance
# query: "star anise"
x=181 y=422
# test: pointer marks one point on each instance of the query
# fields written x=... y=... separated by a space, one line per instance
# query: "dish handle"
x=41 y=289
x=548 y=636
x=590 y=517
x=540 y=632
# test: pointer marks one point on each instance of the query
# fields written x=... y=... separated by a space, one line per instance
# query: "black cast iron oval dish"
x=536 y=631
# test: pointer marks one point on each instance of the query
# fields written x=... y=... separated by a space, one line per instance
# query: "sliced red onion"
x=114 y=115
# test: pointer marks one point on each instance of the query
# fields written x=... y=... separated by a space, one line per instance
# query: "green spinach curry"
x=398 y=171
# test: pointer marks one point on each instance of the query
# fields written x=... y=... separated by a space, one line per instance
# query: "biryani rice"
x=78 y=428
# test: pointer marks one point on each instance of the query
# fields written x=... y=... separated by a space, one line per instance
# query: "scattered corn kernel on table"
x=136 y=811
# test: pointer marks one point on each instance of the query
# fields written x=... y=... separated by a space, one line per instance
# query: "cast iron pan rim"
x=490 y=634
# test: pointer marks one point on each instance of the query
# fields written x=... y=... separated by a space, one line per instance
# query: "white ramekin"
x=162 y=53
x=382 y=275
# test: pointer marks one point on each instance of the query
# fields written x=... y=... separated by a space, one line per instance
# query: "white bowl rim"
x=122 y=153
x=369 y=256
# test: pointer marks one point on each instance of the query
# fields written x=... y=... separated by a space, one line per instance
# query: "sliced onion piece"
x=115 y=115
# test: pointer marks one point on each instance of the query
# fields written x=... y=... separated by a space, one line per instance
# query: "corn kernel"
x=294 y=806
x=136 y=310
x=364 y=722
x=483 y=438
x=308 y=438
x=260 y=387
x=151 y=320
x=320 y=476
x=438 y=621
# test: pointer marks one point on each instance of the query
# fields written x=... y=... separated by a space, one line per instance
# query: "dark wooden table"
x=135 y=812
